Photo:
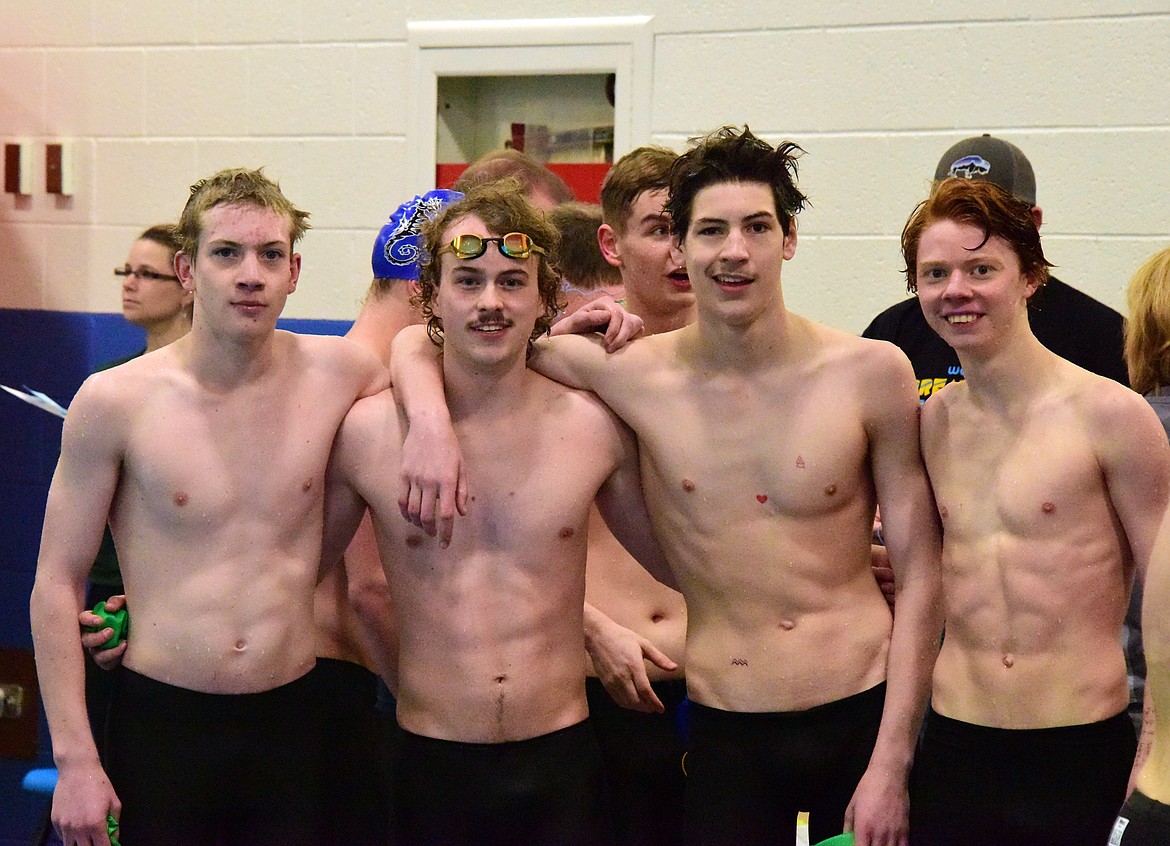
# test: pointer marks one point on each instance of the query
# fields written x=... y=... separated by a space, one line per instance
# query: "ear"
x=1031 y=286
x=295 y=267
x=677 y=254
x=790 y=240
x=607 y=240
x=185 y=270
x=1038 y=216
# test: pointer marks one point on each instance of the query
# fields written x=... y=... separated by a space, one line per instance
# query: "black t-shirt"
x=1070 y=323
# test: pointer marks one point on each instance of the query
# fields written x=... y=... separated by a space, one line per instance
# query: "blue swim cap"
x=397 y=249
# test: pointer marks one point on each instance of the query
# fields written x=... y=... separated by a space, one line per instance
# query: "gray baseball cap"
x=991 y=159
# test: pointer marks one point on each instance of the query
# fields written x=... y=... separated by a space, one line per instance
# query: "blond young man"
x=208 y=459
x=491 y=696
x=1050 y=483
x=766 y=441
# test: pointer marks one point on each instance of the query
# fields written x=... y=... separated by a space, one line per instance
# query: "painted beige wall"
x=157 y=95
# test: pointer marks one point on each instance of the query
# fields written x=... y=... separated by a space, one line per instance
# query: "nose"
x=249 y=276
x=489 y=298
x=734 y=246
x=957 y=286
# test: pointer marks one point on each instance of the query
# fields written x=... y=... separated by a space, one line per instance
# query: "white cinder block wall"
x=156 y=95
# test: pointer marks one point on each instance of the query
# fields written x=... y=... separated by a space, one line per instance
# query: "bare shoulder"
x=589 y=351
x=341 y=360
x=121 y=390
x=868 y=358
x=578 y=413
x=329 y=350
x=375 y=417
x=1107 y=407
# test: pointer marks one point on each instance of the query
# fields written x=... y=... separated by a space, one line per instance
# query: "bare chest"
x=211 y=461
x=1033 y=480
x=753 y=449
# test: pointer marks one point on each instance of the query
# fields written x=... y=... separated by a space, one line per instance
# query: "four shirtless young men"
x=762 y=444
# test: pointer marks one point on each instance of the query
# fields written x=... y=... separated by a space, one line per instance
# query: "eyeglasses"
x=143 y=273
x=515 y=245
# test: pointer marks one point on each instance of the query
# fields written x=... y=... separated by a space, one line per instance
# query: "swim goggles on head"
x=515 y=245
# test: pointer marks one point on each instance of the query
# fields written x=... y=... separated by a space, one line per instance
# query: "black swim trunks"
x=750 y=774
x=197 y=768
x=542 y=791
x=973 y=785
x=1142 y=822
x=643 y=763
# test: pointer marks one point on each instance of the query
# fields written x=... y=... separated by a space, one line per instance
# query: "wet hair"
x=579 y=257
x=503 y=208
x=985 y=206
x=165 y=235
x=531 y=174
x=731 y=155
x=640 y=170
x=1147 y=329
x=236 y=186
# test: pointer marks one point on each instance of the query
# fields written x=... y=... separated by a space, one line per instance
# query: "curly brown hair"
x=503 y=208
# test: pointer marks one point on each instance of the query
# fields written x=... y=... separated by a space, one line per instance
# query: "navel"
x=241 y=645
x=788 y=625
x=1009 y=660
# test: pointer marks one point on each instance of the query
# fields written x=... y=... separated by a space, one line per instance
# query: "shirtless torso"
x=208 y=459
x=1050 y=482
x=1037 y=561
x=500 y=608
x=733 y=485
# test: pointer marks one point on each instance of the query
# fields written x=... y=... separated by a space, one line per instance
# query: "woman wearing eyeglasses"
x=151 y=294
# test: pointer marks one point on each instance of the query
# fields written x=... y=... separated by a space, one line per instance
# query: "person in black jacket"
x=1068 y=322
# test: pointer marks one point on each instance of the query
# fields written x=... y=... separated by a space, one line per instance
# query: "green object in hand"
x=118 y=620
x=112 y=825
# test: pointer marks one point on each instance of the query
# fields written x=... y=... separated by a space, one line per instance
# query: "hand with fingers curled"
x=433 y=481
x=606 y=315
x=105 y=631
x=619 y=658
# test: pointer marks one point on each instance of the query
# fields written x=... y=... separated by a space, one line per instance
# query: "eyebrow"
x=747 y=218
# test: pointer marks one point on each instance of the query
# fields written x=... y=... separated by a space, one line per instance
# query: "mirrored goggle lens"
x=513 y=245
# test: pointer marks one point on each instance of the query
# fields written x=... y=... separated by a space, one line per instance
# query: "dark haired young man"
x=766 y=442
